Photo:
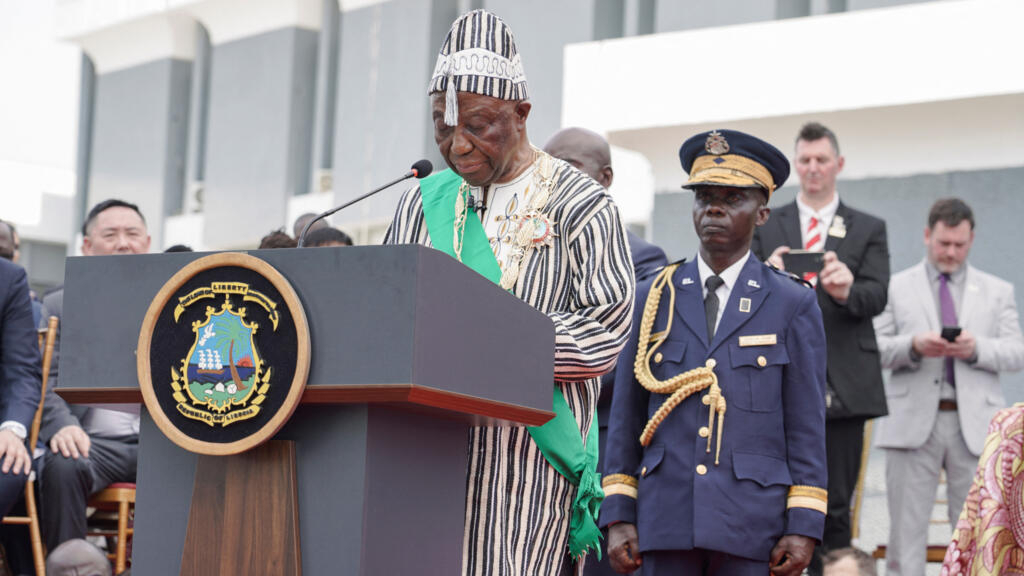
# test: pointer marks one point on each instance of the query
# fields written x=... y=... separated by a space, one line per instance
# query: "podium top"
x=399 y=325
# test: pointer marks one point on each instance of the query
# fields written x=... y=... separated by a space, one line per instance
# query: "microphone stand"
x=302 y=237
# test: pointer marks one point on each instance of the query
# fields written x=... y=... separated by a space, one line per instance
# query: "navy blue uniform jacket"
x=771 y=477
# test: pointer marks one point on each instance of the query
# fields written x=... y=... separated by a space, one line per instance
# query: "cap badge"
x=716 y=143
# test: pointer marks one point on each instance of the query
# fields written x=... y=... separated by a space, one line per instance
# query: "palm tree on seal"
x=228 y=333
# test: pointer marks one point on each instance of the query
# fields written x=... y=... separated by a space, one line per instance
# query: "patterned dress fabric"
x=517 y=509
x=989 y=536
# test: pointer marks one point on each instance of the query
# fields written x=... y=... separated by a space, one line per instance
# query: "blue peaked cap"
x=733 y=158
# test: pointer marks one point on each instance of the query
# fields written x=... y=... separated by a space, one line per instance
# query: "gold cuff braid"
x=620 y=484
x=619 y=479
x=810 y=497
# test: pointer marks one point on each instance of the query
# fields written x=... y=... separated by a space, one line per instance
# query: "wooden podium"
x=408 y=349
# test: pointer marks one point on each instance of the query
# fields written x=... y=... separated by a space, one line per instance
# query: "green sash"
x=559 y=440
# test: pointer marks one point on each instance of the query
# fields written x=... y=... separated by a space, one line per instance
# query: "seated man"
x=90 y=448
x=721 y=412
x=19 y=381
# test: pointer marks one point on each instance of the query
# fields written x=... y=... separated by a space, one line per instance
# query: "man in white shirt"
x=851 y=289
x=90 y=448
x=947 y=333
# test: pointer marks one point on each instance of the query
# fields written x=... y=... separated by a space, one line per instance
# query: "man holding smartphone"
x=844 y=253
x=947 y=332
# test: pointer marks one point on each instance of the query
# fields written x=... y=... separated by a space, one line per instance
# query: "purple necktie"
x=948 y=319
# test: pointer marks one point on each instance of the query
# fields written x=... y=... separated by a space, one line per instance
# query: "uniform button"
x=761 y=361
x=703 y=432
x=706 y=399
x=702 y=469
x=711 y=363
x=643 y=471
x=658 y=357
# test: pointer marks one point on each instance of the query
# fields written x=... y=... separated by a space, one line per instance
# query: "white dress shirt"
x=824 y=217
x=728 y=276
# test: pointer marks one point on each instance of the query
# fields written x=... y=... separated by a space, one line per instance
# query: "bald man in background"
x=589 y=153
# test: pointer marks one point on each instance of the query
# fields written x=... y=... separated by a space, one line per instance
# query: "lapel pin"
x=744 y=304
x=687 y=281
x=753 y=284
x=838 y=227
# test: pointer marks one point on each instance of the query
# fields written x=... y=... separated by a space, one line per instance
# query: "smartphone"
x=800 y=262
x=949 y=333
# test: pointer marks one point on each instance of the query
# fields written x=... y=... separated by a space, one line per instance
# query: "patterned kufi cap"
x=479 y=55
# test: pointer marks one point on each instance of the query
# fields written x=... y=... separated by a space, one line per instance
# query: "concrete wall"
x=540 y=42
x=139 y=135
x=968 y=134
x=689 y=14
x=903 y=202
x=383 y=114
x=261 y=110
x=38 y=116
x=259 y=133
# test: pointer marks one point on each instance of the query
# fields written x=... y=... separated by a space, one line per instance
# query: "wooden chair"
x=858 y=490
x=119 y=498
x=32 y=519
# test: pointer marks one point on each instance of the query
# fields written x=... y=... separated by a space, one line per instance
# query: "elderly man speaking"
x=552 y=236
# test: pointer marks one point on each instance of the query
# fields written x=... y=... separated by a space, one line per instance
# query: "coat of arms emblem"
x=222 y=379
x=223 y=354
x=716 y=143
x=222 y=376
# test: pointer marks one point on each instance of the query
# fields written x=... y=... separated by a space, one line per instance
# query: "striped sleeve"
x=590 y=334
x=407 y=226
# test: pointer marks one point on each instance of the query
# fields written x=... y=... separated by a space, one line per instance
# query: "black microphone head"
x=422 y=168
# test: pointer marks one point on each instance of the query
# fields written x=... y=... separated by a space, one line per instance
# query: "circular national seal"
x=223 y=354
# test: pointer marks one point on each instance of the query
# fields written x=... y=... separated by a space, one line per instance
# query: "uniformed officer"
x=716 y=441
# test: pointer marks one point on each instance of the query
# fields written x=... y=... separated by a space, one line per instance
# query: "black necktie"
x=711 y=303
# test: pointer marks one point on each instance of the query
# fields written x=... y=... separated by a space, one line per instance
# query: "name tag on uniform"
x=758 y=340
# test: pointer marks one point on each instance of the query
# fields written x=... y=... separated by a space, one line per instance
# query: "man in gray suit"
x=90 y=448
x=943 y=391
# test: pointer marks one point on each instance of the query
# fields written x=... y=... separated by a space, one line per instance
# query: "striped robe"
x=517 y=505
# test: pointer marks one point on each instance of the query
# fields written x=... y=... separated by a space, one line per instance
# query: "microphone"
x=421 y=169
x=476 y=205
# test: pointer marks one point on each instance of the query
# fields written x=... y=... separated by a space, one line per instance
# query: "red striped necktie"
x=814 y=243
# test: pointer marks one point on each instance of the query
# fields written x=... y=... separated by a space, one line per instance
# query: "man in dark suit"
x=852 y=289
x=19 y=381
x=589 y=153
x=90 y=448
x=716 y=447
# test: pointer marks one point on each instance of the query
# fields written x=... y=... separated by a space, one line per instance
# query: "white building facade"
x=226 y=119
